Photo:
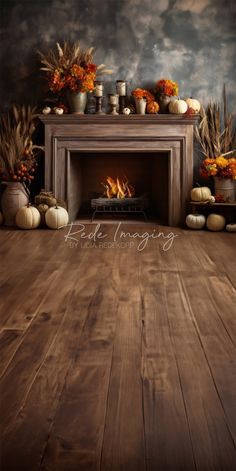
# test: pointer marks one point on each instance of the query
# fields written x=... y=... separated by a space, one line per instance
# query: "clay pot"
x=14 y=197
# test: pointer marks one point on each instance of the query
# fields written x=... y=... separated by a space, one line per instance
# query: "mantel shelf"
x=118 y=119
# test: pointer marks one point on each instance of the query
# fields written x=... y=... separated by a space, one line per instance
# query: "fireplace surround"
x=71 y=139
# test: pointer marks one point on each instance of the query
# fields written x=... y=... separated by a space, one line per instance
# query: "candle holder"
x=113 y=101
x=99 y=105
x=98 y=95
x=121 y=91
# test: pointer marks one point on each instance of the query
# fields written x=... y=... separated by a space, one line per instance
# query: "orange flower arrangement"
x=220 y=167
x=167 y=87
x=141 y=93
x=71 y=68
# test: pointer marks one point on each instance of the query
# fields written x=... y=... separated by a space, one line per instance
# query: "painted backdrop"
x=190 y=41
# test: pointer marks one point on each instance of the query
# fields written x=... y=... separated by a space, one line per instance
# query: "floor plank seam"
x=44 y=451
x=142 y=375
x=181 y=386
x=25 y=332
x=194 y=321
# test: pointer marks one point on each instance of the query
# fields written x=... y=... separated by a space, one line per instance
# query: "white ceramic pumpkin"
x=1 y=218
x=195 y=221
x=215 y=222
x=56 y=217
x=28 y=217
x=231 y=227
x=194 y=104
x=201 y=193
x=178 y=106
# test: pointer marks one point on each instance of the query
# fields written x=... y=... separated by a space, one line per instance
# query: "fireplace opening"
x=144 y=175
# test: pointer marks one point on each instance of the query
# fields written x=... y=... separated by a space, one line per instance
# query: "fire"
x=116 y=188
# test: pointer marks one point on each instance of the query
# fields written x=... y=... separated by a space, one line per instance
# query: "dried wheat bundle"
x=16 y=143
x=65 y=56
x=215 y=136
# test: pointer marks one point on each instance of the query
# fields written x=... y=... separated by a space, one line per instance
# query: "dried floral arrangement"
x=141 y=93
x=17 y=152
x=70 y=67
x=216 y=137
x=167 y=87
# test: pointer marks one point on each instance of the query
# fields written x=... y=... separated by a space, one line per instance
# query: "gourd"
x=195 y=221
x=201 y=193
x=1 y=218
x=178 y=106
x=194 y=104
x=231 y=227
x=215 y=222
x=28 y=217
x=56 y=217
x=42 y=209
x=153 y=107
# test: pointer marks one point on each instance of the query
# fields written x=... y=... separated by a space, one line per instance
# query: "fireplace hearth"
x=155 y=152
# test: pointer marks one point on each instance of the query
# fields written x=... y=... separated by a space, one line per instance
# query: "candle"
x=121 y=87
x=113 y=99
x=98 y=88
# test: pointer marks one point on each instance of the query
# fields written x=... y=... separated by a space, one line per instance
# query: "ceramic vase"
x=77 y=102
x=140 y=106
x=14 y=197
x=164 y=101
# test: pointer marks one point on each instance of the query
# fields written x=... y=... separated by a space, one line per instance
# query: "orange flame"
x=118 y=188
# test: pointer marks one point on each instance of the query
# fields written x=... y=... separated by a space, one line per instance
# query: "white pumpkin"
x=28 y=217
x=126 y=111
x=215 y=222
x=201 y=193
x=231 y=227
x=194 y=104
x=56 y=217
x=58 y=111
x=195 y=221
x=178 y=106
x=47 y=110
x=1 y=218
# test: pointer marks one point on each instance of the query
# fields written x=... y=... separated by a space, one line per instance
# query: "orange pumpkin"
x=153 y=107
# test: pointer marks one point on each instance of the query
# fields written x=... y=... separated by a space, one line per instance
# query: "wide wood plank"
x=116 y=358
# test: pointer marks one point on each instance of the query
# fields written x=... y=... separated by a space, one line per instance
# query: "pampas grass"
x=63 y=57
x=215 y=135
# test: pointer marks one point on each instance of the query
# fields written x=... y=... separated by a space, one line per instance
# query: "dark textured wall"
x=190 y=41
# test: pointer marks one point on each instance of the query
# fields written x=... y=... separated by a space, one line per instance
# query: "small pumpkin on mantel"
x=194 y=104
x=201 y=193
x=56 y=217
x=178 y=106
x=195 y=221
x=28 y=217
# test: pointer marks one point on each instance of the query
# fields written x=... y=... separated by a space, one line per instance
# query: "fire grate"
x=119 y=206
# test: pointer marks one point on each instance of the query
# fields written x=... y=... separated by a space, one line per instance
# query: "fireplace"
x=153 y=152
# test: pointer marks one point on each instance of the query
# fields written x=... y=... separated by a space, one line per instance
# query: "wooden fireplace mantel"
x=172 y=134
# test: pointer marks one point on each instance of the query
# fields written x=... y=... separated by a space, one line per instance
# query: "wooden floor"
x=118 y=359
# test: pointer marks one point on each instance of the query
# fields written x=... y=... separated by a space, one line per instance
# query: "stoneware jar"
x=14 y=197
x=77 y=102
